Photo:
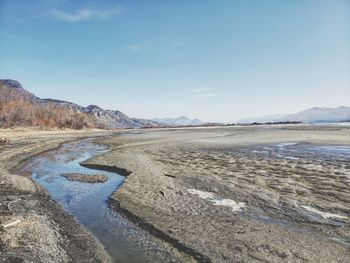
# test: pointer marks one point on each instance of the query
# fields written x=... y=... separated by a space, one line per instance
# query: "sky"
x=213 y=60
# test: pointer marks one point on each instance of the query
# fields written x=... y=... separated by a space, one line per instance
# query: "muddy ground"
x=212 y=194
x=86 y=178
x=35 y=228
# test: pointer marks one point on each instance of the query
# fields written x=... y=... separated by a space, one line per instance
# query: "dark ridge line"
x=158 y=233
x=107 y=168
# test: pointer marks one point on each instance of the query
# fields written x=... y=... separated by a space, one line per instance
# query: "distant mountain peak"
x=312 y=115
x=179 y=121
x=316 y=108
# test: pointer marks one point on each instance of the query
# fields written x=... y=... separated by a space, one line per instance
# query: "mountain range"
x=313 y=115
x=180 y=121
x=19 y=107
x=13 y=92
x=17 y=98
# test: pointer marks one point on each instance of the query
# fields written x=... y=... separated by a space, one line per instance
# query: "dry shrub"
x=18 y=111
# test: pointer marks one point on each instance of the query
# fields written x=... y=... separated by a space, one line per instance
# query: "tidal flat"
x=220 y=194
x=238 y=194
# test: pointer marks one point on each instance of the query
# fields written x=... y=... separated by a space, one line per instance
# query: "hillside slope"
x=19 y=107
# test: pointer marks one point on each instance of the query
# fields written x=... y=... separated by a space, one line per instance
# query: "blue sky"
x=213 y=60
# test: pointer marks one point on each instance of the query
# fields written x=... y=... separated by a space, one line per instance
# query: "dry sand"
x=208 y=194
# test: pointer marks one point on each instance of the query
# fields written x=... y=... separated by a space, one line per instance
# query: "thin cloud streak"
x=85 y=14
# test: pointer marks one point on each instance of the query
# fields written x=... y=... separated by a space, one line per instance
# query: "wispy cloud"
x=205 y=93
x=85 y=14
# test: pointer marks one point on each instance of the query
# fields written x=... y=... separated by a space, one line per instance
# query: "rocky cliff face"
x=117 y=119
x=18 y=92
x=11 y=83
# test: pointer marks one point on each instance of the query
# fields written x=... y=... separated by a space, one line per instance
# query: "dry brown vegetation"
x=19 y=110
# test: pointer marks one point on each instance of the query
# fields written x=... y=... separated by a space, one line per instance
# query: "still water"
x=88 y=202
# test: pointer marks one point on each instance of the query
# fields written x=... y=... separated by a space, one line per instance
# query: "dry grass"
x=16 y=110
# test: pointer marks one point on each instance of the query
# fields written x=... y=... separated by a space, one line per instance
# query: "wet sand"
x=88 y=203
x=38 y=229
x=238 y=194
x=233 y=194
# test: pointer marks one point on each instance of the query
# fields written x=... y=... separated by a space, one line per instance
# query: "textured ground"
x=216 y=195
x=36 y=228
x=86 y=178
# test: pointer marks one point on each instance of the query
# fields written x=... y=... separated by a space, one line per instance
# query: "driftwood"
x=3 y=226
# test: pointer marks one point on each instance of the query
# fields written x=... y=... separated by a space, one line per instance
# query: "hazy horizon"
x=216 y=61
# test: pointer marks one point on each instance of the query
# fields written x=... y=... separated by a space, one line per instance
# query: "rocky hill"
x=117 y=119
x=19 y=107
x=17 y=91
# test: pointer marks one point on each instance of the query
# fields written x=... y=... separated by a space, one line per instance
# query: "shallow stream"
x=88 y=202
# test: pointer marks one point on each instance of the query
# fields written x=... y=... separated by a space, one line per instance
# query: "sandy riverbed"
x=239 y=194
x=41 y=231
x=211 y=193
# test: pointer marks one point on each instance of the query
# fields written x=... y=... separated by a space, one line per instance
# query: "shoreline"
x=39 y=214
